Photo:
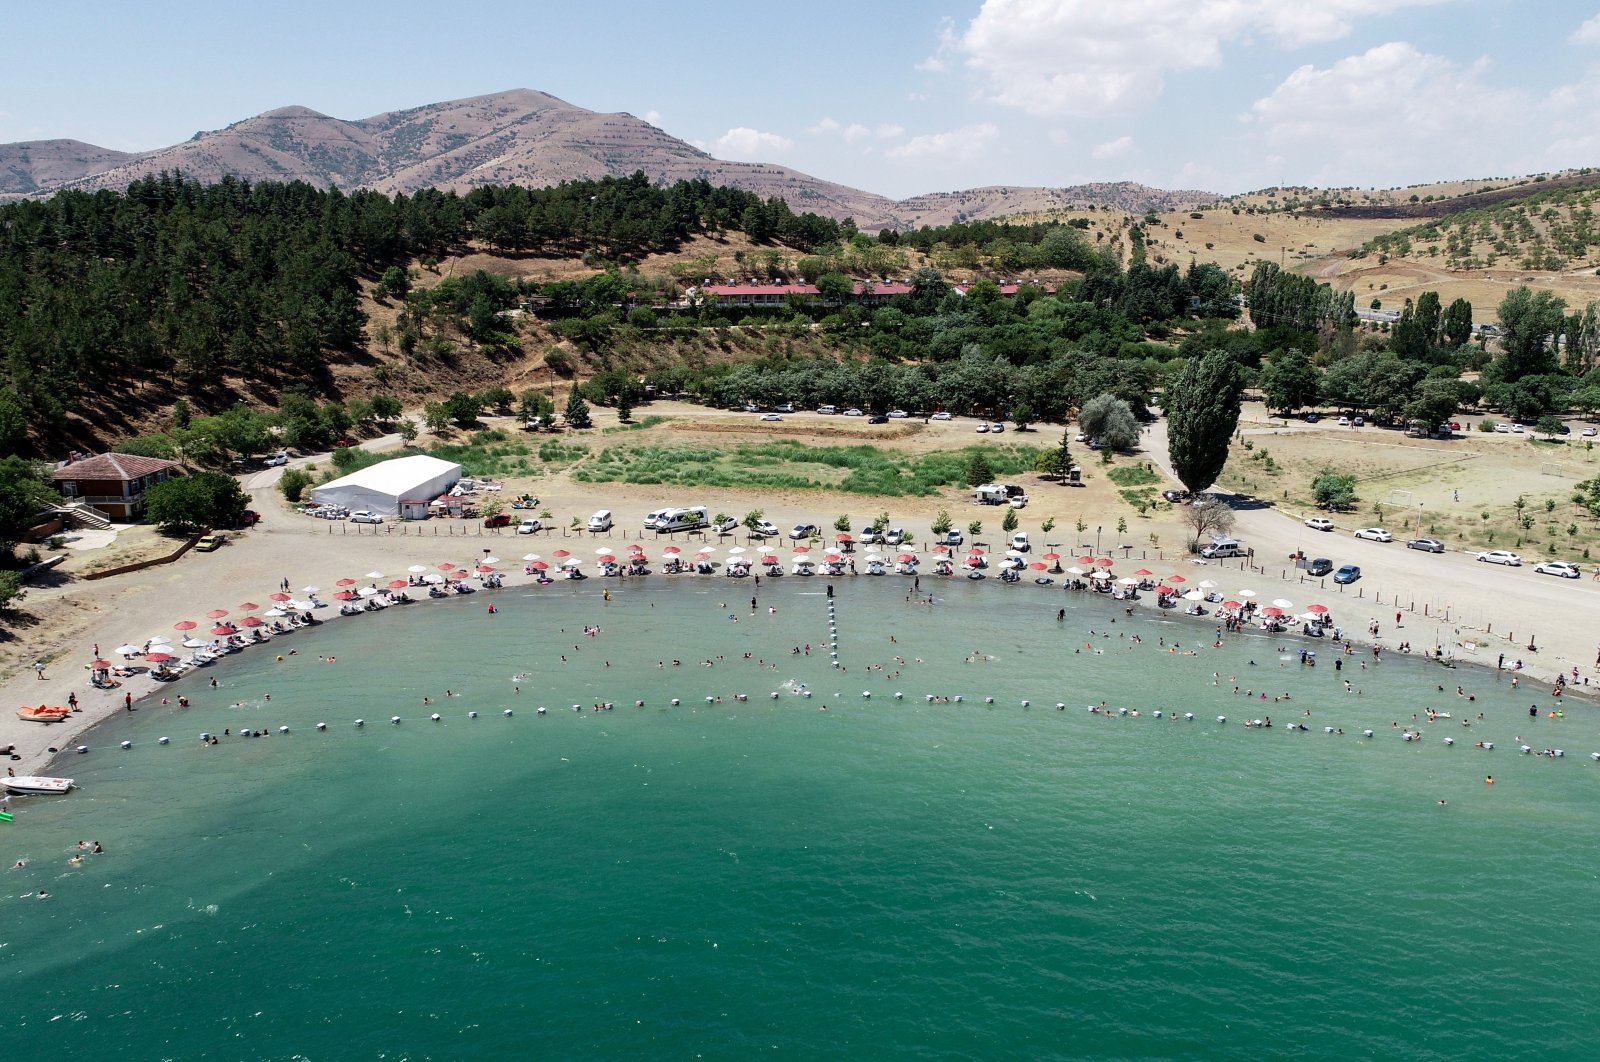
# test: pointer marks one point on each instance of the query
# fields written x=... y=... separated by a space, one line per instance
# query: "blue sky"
x=893 y=97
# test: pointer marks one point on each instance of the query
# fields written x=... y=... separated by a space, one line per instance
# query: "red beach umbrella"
x=158 y=658
x=769 y=559
x=562 y=554
x=185 y=625
x=1143 y=572
x=670 y=551
x=802 y=549
x=398 y=584
x=539 y=566
x=446 y=566
x=484 y=569
x=345 y=582
x=1051 y=557
x=1319 y=609
x=279 y=597
x=634 y=547
x=344 y=595
x=99 y=665
x=844 y=536
x=222 y=629
x=249 y=606
x=1085 y=560
x=907 y=558
x=1232 y=604
x=1176 y=579
x=216 y=613
x=1038 y=566
x=941 y=549
x=1272 y=610
x=1104 y=562
x=254 y=621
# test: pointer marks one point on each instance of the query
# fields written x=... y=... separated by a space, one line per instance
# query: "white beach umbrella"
x=1074 y=571
x=530 y=556
x=417 y=569
x=1283 y=602
x=1311 y=617
x=707 y=549
x=275 y=612
x=1195 y=595
x=367 y=591
x=128 y=650
x=737 y=550
x=604 y=551
x=1246 y=594
x=1128 y=582
x=1208 y=584
x=161 y=639
x=310 y=589
x=433 y=577
x=374 y=575
x=194 y=643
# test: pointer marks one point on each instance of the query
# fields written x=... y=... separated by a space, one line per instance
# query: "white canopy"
x=381 y=487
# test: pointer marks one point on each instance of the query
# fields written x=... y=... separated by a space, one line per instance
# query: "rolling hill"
x=519 y=136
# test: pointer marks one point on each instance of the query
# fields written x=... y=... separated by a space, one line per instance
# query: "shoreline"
x=81 y=725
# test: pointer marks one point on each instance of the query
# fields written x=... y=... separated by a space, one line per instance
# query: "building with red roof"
x=113 y=483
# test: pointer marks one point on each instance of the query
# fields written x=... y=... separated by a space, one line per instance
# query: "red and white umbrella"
x=185 y=625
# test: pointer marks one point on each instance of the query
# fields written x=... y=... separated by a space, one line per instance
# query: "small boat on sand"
x=43 y=713
x=34 y=784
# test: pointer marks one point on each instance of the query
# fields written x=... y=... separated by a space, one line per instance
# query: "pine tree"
x=577 y=412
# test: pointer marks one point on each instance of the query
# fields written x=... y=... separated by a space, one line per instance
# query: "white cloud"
x=744 y=144
x=1057 y=57
x=955 y=145
x=888 y=131
x=824 y=127
x=653 y=117
x=1113 y=149
x=855 y=131
x=1588 y=33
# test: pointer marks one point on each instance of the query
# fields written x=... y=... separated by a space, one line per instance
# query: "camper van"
x=691 y=519
x=654 y=517
x=600 y=521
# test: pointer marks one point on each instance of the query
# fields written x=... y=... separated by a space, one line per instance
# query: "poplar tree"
x=1202 y=406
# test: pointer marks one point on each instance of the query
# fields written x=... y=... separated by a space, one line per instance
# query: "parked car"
x=1502 y=428
x=953 y=537
x=1019 y=542
x=1349 y=573
x=344 y=441
x=277 y=459
x=210 y=543
x=1319 y=566
x=982 y=428
x=827 y=411
x=1518 y=429
x=1589 y=433
x=770 y=416
x=727 y=525
x=249 y=518
x=1358 y=422
x=1319 y=523
x=365 y=516
x=529 y=526
x=997 y=427
x=497 y=520
x=897 y=414
x=1455 y=425
x=877 y=418
x=749 y=408
x=1080 y=437
x=941 y=415
x=1561 y=568
x=1175 y=495
x=765 y=528
x=853 y=412
x=1019 y=501
x=894 y=536
x=1344 y=422
x=1427 y=545
x=870 y=534
x=1376 y=534
x=1312 y=418
x=1501 y=556
x=800 y=531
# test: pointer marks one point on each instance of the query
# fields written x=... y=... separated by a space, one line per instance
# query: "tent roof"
x=398 y=477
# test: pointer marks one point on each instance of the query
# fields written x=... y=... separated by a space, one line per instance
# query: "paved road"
x=1561 y=616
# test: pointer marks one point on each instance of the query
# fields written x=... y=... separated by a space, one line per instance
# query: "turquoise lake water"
x=885 y=879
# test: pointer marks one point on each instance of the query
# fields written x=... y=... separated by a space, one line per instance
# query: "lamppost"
x=1097 y=540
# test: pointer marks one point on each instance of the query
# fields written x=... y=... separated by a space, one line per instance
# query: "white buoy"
x=1366 y=733
x=395 y=719
x=675 y=702
x=899 y=696
x=1061 y=706
x=322 y=726
x=957 y=698
x=774 y=694
x=1189 y=716
x=836 y=664
x=1122 y=711
x=1594 y=755
x=507 y=712
x=1157 y=713
x=537 y=711
x=867 y=694
x=638 y=704
x=1488 y=744
x=1327 y=730
x=283 y=730
x=434 y=717
x=1449 y=741
x=472 y=715
x=929 y=698
x=163 y=740
x=988 y=700
x=808 y=695
x=1527 y=748
x=1222 y=719
x=1560 y=752
x=82 y=749
x=709 y=700
x=127 y=744
x=361 y=722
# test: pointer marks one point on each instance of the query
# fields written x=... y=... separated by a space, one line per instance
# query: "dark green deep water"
x=883 y=879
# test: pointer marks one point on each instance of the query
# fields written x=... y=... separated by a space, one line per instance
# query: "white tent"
x=383 y=486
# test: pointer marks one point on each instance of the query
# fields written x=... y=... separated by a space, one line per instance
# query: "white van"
x=600 y=521
x=1224 y=547
x=826 y=410
x=691 y=519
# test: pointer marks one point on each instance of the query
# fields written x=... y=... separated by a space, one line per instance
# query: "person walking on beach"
x=38 y=669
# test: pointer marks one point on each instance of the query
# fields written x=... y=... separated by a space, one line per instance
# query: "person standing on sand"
x=38 y=669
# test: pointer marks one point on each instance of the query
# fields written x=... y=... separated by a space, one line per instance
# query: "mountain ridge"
x=520 y=136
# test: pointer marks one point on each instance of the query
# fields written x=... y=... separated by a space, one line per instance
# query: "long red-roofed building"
x=113 y=483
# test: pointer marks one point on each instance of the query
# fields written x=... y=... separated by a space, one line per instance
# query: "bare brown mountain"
x=521 y=136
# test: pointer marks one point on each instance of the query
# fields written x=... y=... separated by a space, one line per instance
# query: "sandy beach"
x=1445 y=601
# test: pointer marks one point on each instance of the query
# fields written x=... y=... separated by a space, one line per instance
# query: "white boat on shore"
x=36 y=784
